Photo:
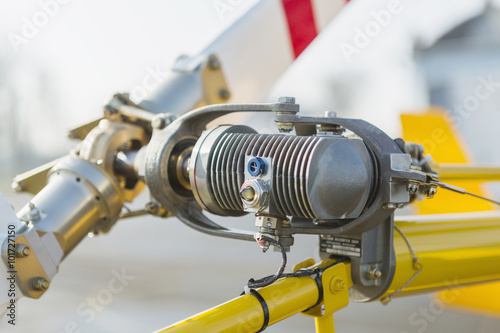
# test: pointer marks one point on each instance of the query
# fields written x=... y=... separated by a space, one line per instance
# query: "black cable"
x=271 y=278
x=266 y=281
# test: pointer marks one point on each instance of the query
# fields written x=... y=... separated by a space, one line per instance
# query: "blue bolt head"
x=256 y=166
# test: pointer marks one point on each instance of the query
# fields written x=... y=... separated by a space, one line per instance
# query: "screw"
x=430 y=192
x=412 y=188
x=22 y=251
x=40 y=283
x=330 y=114
x=214 y=63
x=224 y=94
x=374 y=273
x=286 y=99
x=153 y=208
x=34 y=213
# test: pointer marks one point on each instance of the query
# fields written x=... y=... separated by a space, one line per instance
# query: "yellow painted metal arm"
x=459 y=171
x=284 y=298
x=454 y=250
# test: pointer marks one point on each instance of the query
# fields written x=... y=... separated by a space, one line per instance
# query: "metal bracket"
x=336 y=282
x=214 y=85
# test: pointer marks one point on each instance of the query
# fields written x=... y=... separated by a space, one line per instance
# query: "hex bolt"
x=248 y=193
x=22 y=251
x=374 y=273
x=330 y=114
x=286 y=99
x=40 y=283
x=337 y=285
x=290 y=109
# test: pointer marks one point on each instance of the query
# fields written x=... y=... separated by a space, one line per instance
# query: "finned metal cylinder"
x=315 y=177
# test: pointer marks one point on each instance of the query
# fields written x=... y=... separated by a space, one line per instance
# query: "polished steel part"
x=79 y=198
x=312 y=177
x=84 y=194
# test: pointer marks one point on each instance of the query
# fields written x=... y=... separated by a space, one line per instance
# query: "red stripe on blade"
x=300 y=18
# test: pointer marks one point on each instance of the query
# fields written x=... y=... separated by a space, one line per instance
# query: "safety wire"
x=266 y=281
x=416 y=265
x=462 y=191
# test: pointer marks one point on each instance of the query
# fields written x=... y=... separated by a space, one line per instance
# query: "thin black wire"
x=268 y=280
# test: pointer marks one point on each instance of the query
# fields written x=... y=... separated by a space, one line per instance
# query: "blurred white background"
x=62 y=76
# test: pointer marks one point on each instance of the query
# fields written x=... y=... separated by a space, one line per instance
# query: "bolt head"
x=247 y=193
x=158 y=122
x=224 y=94
x=286 y=99
x=23 y=251
x=337 y=285
x=330 y=114
x=40 y=283
x=412 y=188
x=152 y=208
x=374 y=273
x=17 y=187
x=214 y=63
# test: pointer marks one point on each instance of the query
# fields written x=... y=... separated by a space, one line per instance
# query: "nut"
x=40 y=283
x=337 y=285
x=374 y=273
x=22 y=251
